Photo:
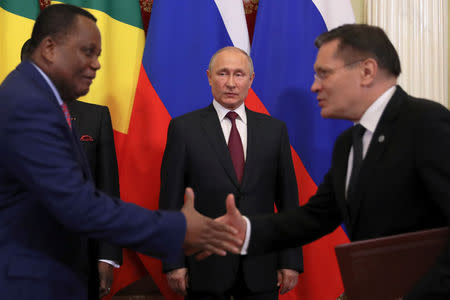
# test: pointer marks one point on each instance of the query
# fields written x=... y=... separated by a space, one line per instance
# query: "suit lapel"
x=81 y=156
x=74 y=116
x=211 y=126
x=78 y=148
x=37 y=78
x=380 y=141
x=252 y=137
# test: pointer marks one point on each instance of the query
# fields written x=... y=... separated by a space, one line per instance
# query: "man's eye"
x=89 y=52
x=323 y=74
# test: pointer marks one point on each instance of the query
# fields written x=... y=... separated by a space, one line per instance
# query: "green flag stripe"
x=126 y=11
x=25 y=8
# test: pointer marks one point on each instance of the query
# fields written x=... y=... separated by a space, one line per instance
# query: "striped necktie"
x=66 y=114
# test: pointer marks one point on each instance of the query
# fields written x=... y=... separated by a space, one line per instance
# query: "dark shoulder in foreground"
x=85 y=105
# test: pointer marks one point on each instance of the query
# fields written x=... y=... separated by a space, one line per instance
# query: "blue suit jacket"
x=48 y=200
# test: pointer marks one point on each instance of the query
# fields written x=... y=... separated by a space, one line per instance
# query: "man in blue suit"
x=93 y=125
x=48 y=201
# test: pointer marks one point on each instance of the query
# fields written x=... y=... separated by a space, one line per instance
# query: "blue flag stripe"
x=283 y=53
x=180 y=42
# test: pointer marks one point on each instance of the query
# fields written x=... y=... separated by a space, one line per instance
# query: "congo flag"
x=16 y=23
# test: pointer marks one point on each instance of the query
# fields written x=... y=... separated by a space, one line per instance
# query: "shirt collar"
x=50 y=83
x=222 y=111
x=373 y=114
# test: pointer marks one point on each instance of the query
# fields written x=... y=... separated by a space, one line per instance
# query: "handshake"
x=205 y=236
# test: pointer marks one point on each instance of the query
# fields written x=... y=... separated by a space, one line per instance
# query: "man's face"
x=337 y=84
x=76 y=59
x=230 y=78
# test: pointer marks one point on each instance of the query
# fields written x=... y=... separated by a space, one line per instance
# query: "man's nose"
x=96 y=64
x=230 y=81
x=315 y=87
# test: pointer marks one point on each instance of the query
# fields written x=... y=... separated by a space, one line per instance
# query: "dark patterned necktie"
x=66 y=114
x=235 y=147
x=357 y=134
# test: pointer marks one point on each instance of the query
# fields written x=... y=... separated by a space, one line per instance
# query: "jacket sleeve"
x=107 y=174
x=287 y=199
x=173 y=178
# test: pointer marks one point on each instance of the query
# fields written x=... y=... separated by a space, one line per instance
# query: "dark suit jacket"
x=197 y=155
x=404 y=186
x=48 y=202
x=92 y=124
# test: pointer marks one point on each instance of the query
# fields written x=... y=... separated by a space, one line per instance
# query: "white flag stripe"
x=335 y=12
x=233 y=16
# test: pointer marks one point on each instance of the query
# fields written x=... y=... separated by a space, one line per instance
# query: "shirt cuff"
x=112 y=263
x=247 y=236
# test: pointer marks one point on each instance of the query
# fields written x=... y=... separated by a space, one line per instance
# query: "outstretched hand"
x=232 y=218
x=205 y=234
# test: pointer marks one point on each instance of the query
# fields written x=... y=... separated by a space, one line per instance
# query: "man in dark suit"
x=48 y=201
x=93 y=126
x=401 y=182
x=258 y=170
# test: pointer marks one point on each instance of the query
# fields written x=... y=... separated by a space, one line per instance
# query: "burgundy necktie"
x=235 y=147
x=67 y=114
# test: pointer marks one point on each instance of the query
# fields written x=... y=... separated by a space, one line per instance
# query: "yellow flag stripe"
x=116 y=81
x=14 y=31
x=121 y=58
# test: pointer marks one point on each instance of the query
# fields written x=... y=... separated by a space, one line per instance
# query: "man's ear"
x=208 y=73
x=252 y=77
x=369 y=70
x=47 y=49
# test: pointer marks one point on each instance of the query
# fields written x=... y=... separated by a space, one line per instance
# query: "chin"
x=324 y=114
x=81 y=93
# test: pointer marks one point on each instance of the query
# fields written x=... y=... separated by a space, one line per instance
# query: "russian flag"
x=182 y=37
x=283 y=53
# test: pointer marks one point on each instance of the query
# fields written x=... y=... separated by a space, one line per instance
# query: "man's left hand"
x=287 y=280
x=105 y=274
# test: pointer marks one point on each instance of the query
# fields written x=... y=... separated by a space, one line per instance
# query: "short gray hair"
x=250 y=61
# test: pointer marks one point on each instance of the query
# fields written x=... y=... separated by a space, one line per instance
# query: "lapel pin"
x=381 y=138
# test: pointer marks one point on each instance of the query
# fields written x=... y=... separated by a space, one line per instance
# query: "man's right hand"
x=232 y=218
x=178 y=280
x=205 y=234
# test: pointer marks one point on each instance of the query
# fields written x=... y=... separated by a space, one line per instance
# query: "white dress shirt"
x=241 y=123
x=369 y=120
